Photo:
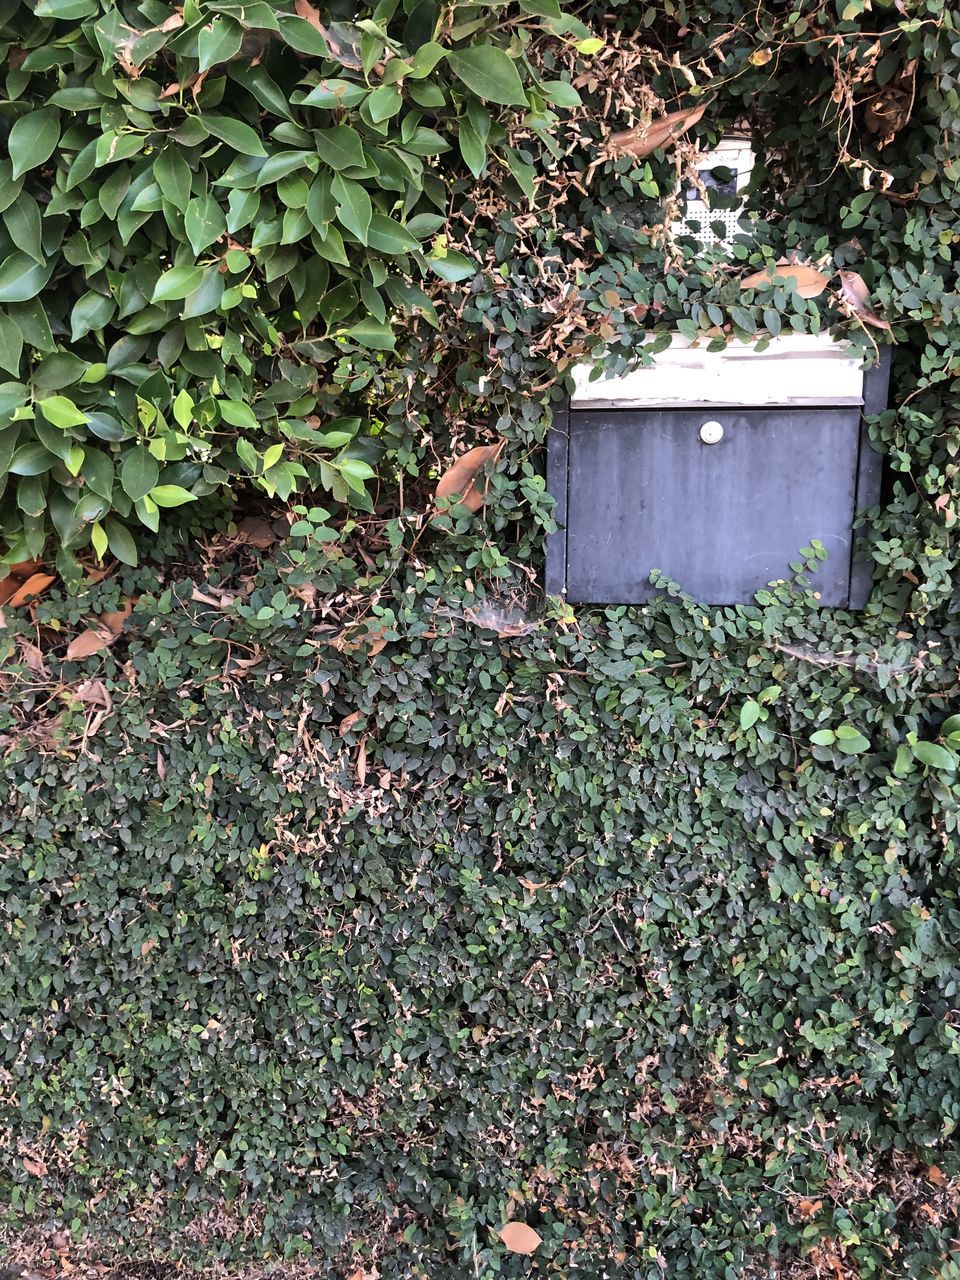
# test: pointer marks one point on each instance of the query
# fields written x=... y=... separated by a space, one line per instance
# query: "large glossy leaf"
x=490 y=73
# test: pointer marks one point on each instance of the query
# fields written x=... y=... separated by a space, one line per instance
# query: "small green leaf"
x=354 y=209
x=204 y=223
x=490 y=73
x=750 y=713
x=340 y=147
x=369 y=333
x=238 y=414
x=172 y=175
x=139 y=472
x=823 y=738
x=453 y=267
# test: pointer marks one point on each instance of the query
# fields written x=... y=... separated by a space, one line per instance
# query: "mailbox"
x=715 y=468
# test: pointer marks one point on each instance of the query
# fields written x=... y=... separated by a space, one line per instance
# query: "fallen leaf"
x=94 y=693
x=161 y=767
x=809 y=1208
x=462 y=475
x=114 y=621
x=935 y=1174
x=255 y=532
x=89 y=642
x=519 y=1238
x=808 y=281
x=362 y=762
x=34 y=586
x=532 y=886
x=32 y=656
x=148 y=946
x=352 y=639
x=35 y=1167
x=662 y=132
x=856 y=295
x=347 y=723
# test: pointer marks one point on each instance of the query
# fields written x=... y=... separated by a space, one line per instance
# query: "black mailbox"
x=715 y=468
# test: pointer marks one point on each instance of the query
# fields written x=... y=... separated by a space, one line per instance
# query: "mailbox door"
x=645 y=492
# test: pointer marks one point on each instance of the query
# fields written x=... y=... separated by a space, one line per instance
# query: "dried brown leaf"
x=371 y=639
x=461 y=477
x=255 y=532
x=34 y=586
x=36 y=1168
x=95 y=694
x=662 y=132
x=856 y=295
x=32 y=656
x=114 y=620
x=362 y=762
x=148 y=946
x=519 y=1238
x=89 y=642
x=347 y=723
x=808 y=281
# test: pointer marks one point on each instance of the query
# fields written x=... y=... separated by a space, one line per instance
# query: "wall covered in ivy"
x=356 y=899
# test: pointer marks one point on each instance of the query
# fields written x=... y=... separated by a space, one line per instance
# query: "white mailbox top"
x=795 y=369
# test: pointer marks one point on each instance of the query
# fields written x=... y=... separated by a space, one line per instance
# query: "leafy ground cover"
x=356 y=900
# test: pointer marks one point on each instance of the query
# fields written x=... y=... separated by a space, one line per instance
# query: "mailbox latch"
x=711 y=432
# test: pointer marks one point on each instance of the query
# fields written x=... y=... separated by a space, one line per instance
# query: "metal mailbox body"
x=715 y=468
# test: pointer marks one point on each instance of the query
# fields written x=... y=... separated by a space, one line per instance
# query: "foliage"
x=357 y=901
x=215 y=218
x=357 y=950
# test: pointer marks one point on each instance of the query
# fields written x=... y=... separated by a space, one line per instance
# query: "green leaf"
x=823 y=738
x=388 y=236
x=238 y=414
x=336 y=93
x=851 y=740
x=489 y=73
x=340 y=147
x=11 y=345
x=97 y=472
x=177 y=283
x=750 y=713
x=139 y=472
x=171 y=495
x=384 y=103
x=120 y=541
x=172 y=175
x=935 y=756
x=22 y=220
x=453 y=267
x=560 y=93
x=354 y=209
x=33 y=138
x=22 y=279
x=204 y=223
x=300 y=35
x=369 y=333
x=61 y=412
x=235 y=134
x=90 y=311
x=218 y=42
x=31 y=460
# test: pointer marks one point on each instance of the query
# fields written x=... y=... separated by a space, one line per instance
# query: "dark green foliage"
x=641 y=927
x=368 y=945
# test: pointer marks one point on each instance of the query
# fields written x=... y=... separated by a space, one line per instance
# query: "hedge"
x=356 y=899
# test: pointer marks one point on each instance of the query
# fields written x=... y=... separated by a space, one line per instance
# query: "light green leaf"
x=453 y=267
x=336 y=93
x=177 y=283
x=489 y=73
x=935 y=756
x=238 y=414
x=61 y=412
x=749 y=714
x=171 y=495
x=369 y=333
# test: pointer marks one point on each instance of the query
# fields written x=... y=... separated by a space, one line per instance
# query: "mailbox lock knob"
x=711 y=433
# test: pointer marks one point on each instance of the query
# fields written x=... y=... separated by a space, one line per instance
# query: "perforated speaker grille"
x=726 y=171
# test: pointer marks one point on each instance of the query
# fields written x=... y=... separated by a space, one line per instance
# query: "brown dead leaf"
x=32 y=656
x=161 y=766
x=808 y=281
x=362 y=762
x=254 y=532
x=114 y=621
x=371 y=639
x=34 y=586
x=94 y=693
x=35 y=1167
x=662 y=132
x=123 y=57
x=338 y=50
x=519 y=1238
x=855 y=293
x=809 y=1208
x=148 y=946
x=532 y=886
x=170 y=91
x=173 y=23
x=347 y=723
x=89 y=642
x=892 y=107
x=461 y=477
